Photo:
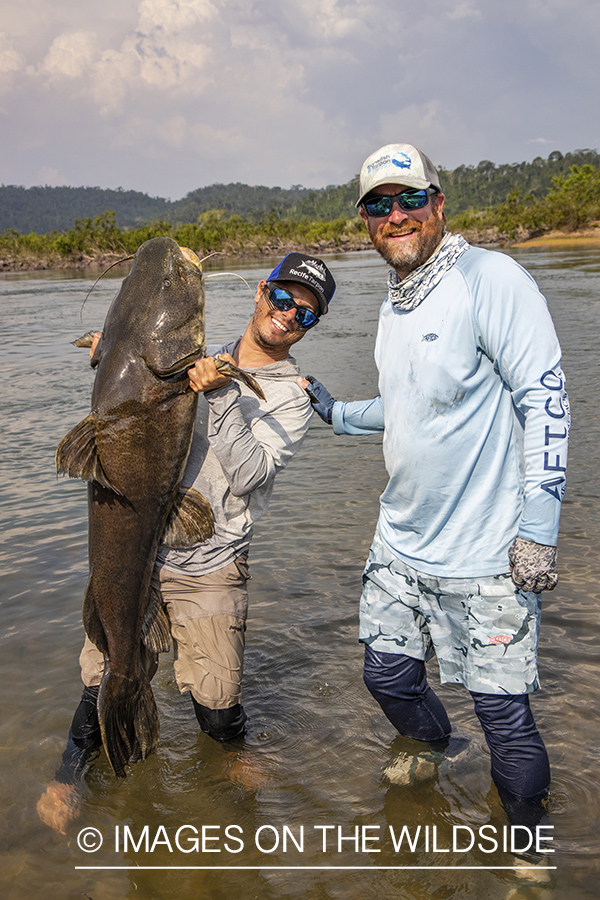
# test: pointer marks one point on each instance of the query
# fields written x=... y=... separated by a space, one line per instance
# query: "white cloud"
x=157 y=53
x=71 y=54
x=164 y=95
x=11 y=60
x=466 y=9
x=335 y=21
x=113 y=80
x=52 y=177
x=173 y=131
x=173 y=16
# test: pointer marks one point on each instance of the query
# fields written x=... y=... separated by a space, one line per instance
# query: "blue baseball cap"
x=309 y=271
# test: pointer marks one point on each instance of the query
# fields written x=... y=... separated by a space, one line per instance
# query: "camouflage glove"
x=533 y=566
x=321 y=399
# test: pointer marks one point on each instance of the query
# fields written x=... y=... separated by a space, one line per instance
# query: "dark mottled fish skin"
x=132 y=449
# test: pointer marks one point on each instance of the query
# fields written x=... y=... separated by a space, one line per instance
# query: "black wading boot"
x=84 y=738
x=220 y=724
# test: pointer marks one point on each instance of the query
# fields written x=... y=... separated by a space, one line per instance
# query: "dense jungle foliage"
x=215 y=231
x=494 y=202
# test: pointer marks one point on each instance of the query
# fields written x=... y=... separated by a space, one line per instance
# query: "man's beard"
x=405 y=257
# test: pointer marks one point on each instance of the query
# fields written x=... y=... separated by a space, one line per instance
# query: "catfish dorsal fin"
x=77 y=455
x=190 y=521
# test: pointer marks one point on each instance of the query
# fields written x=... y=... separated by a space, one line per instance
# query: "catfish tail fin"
x=128 y=720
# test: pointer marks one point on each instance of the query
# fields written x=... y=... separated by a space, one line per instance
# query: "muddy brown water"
x=300 y=808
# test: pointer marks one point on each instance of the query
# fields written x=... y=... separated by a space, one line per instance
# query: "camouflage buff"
x=484 y=631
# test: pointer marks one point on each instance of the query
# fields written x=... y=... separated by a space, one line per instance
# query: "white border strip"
x=133 y=868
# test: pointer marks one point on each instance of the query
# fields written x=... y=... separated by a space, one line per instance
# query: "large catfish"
x=132 y=449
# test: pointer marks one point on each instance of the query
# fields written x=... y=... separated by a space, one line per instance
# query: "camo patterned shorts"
x=484 y=631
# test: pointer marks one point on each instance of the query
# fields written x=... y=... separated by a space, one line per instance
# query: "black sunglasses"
x=279 y=299
x=406 y=200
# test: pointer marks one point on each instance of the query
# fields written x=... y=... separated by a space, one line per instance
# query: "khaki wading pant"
x=208 y=615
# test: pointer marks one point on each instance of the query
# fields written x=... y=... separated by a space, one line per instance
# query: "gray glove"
x=533 y=566
x=321 y=399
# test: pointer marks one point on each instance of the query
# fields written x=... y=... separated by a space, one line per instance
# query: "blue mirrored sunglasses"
x=279 y=299
x=406 y=200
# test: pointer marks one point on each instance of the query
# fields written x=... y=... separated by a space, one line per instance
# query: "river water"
x=301 y=807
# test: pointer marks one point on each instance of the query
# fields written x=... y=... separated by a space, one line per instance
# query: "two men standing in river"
x=475 y=420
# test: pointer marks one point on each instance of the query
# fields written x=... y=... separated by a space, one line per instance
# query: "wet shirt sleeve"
x=515 y=330
x=358 y=416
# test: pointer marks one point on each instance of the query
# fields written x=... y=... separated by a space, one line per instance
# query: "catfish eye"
x=167 y=282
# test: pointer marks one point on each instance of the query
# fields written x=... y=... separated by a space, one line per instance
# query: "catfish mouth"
x=191 y=257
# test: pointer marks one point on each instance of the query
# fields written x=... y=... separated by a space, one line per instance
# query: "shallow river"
x=301 y=807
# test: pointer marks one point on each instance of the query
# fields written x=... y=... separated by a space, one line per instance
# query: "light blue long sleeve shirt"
x=475 y=419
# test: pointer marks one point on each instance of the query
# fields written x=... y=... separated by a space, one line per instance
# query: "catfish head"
x=159 y=310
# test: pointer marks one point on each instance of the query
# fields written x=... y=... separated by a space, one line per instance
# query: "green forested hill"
x=487 y=184
x=250 y=202
x=45 y=209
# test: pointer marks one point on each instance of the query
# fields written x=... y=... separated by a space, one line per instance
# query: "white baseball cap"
x=397 y=164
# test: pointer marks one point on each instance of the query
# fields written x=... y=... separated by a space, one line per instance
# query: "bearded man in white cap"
x=475 y=420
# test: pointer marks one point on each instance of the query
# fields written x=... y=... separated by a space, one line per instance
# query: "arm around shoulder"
x=358 y=417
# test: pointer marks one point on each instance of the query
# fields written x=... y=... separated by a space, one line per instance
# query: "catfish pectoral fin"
x=156 y=632
x=190 y=522
x=227 y=368
x=128 y=722
x=77 y=455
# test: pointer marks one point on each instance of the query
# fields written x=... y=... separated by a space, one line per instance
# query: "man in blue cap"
x=240 y=444
x=475 y=421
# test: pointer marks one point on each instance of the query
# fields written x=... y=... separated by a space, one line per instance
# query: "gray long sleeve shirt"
x=240 y=443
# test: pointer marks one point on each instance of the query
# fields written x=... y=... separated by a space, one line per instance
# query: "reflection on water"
x=314 y=758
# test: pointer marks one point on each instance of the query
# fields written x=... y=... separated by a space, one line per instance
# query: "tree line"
x=100 y=237
x=45 y=209
x=505 y=202
x=572 y=203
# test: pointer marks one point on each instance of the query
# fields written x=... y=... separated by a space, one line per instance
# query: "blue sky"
x=165 y=96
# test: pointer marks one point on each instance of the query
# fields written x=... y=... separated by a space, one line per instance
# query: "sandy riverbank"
x=588 y=238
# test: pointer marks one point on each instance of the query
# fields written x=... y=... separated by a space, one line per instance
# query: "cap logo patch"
x=378 y=164
x=402 y=160
x=314 y=268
